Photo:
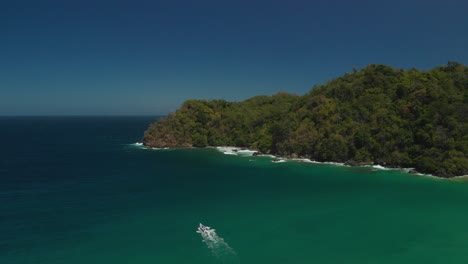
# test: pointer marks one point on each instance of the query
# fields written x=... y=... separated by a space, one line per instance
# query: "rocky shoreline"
x=232 y=150
x=350 y=163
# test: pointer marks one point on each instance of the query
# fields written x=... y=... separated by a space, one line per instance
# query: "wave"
x=246 y=152
x=236 y=151
x=267 y=155
x=140 y=145
x=243 y=152
x=278 y=161
x=380 y=167
x=304 y=160
x=318 y=162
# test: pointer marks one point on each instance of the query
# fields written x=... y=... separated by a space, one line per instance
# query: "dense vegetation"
x=380 y=115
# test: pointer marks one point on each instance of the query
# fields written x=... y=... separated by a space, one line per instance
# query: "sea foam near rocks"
x=236 y=151
x=138 y=145
x=278 y=161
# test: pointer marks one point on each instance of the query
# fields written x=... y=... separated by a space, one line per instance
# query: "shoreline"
x=246 y=152
x=461 y=177
x=278 y=159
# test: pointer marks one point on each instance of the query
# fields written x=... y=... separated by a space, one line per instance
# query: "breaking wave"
x=278 y=161
x=236 y=151
x=140 y=145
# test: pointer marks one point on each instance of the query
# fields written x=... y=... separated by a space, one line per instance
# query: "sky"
x=147 y=57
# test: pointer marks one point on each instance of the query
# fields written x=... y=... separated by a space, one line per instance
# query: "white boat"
x=205 y=230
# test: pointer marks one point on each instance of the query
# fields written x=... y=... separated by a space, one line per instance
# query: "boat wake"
x=219 y=248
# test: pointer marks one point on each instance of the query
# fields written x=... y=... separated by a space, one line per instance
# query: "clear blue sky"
x=147 y=57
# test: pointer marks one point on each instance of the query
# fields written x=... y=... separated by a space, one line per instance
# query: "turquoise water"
x=76 y=190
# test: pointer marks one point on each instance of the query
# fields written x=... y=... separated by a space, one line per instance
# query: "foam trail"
x=219 y=248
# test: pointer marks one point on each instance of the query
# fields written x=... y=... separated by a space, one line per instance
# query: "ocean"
x=79 y=190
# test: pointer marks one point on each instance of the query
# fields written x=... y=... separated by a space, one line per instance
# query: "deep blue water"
x=61 y=175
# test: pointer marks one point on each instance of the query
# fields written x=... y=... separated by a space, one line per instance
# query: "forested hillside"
x=380 y=115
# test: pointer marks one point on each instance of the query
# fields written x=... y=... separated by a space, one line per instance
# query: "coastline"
x=229 y=150
x=460 y=178
x=246 y=152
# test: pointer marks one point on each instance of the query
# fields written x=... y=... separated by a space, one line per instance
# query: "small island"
x=378 y=115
